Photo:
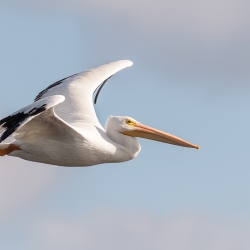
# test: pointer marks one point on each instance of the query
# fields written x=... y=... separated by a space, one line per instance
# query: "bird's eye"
x=129 y=122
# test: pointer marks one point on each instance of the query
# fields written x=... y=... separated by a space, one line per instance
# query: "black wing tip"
x=98 y=92
x=99 y=88
x=43 y=92
x=12 y=122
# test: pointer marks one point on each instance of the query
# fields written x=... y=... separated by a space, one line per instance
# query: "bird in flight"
x=61 y=127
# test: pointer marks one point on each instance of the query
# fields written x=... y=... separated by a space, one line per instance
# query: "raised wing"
x=78 y=109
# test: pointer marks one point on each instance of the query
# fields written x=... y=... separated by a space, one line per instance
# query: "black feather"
x=99 y=89
x=43 y=92
x=12 y=122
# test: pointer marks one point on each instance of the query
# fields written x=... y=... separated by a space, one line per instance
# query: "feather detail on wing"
x=15 y=121
x=78 y=89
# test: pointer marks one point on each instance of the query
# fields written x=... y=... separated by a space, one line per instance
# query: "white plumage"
x=61 y=126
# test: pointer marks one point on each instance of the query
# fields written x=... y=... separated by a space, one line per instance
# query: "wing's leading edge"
x=78 y=90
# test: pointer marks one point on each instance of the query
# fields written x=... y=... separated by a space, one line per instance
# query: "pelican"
x=61 y=127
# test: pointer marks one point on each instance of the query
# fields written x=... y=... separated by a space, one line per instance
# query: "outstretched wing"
x=78 y=109
x=17 y=120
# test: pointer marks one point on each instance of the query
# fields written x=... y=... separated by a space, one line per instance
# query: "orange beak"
x=147 y=132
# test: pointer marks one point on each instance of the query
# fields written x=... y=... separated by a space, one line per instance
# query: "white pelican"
x=61 y=127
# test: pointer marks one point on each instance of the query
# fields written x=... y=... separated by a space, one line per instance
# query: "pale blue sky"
x=190 y=77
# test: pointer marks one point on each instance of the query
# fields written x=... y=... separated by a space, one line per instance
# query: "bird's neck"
x=128 y=147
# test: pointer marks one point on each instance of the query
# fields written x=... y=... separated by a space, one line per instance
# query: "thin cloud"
x=125 y=230
x=22 y=183
x=190 y=40
x=216 y=18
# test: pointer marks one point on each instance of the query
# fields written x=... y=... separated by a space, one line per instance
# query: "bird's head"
x=130 y=127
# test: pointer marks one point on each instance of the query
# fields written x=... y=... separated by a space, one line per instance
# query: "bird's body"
x=88 y=146
x=61 y=127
